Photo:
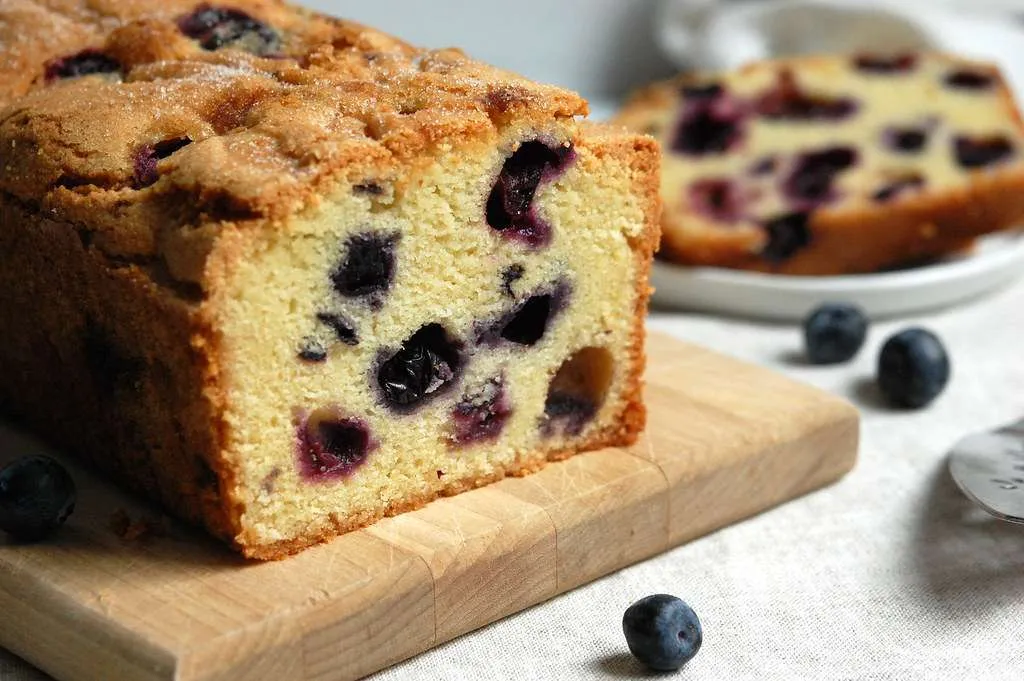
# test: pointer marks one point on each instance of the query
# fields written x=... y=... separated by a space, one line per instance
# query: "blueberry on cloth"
x=662 y=631
x=913 y=368
x=834 y=333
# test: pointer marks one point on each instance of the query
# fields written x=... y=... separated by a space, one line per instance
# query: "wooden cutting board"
x=725 y=440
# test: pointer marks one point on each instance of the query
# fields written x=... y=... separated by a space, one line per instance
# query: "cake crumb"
x=135 y=530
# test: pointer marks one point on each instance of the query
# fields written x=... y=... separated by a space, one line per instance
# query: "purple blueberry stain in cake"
x=481 y=415
x=787 y=234
x=568 y=413
x=905 y=140
x=787 y=101
x=368 y=267
x=527 y=323
x=891 y=190
x=979 y=152
x=811 y=180
x=330 y=446
x=711 y=123
x=428 y=363
x=218 y=27
x=509 y=276
x=344 y=328
x=510 y=207
x=718 y=199
x=83 y=63
x=146 y=159
x=885 y=64
x=964 y=79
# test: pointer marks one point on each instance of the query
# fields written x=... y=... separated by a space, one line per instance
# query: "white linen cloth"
x=889 y=575
x=723 y=34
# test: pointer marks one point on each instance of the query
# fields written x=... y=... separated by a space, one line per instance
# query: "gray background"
x=598 y=47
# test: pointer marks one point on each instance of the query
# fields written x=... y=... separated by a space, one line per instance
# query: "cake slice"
x=834 y=165
x=287 y=275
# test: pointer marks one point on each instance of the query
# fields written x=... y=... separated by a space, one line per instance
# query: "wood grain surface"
x=725 y=440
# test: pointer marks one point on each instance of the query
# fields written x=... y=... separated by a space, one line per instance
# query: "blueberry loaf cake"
x=286 y=274
x=834 y=165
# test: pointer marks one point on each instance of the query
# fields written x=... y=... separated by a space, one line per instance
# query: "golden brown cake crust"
x=859 y=238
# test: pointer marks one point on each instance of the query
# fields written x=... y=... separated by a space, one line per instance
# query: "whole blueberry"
x=913 y=368
x=662 y=631
x=834 y=333
x=36 y=496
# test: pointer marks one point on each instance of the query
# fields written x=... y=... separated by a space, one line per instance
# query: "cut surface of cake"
x=834 y=165
x=286 y=274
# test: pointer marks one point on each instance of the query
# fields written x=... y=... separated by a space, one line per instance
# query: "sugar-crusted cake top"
x=127 y=117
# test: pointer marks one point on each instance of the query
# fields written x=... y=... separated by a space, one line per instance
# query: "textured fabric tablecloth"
x=889 y=574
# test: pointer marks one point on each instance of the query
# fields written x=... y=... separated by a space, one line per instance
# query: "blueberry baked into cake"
x=287 y=274
x=834 y=165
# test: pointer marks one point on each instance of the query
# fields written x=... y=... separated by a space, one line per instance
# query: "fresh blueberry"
x=873 y=63
x=36 y=496
x=329 y=447
x=481 y=415
x=662 y=631
x=787 y=234
x=427 y=363
x=974 y=152
x=510 y=208
x=834 y=333
x=913 y=368
x=147 y=157
x=217 y=27
x=368 y=267
x=82 y=64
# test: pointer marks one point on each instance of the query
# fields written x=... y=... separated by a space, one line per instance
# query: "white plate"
x=997 y=261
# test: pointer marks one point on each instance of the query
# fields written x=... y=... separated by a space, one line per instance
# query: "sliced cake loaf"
x=286 y=286
x=834 y=165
